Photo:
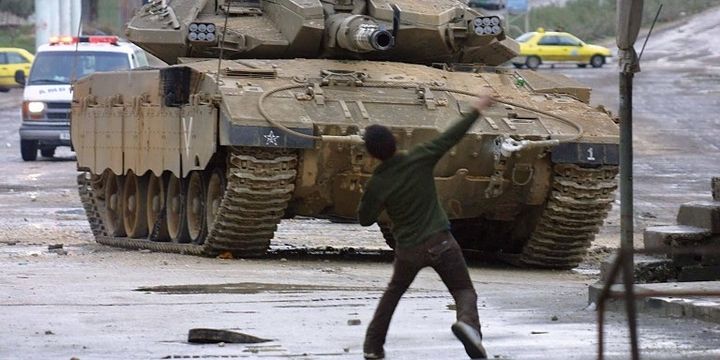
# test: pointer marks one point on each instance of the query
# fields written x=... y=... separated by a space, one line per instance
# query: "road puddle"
x=249 y=288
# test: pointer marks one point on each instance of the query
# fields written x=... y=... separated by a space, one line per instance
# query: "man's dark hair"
x=380 y=142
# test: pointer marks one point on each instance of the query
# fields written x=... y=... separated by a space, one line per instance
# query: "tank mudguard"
x=586 y=154
x=233 y=134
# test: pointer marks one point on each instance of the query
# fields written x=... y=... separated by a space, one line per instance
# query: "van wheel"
x=597 y=61
x=29 y=149
x=533 y=62
x=47 y=152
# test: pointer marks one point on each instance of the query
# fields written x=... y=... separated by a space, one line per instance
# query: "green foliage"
x=21 y=8
x=108 y=16
x=19 y=37
x=596 y=19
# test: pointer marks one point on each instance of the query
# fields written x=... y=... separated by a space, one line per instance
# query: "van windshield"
x=56 y=67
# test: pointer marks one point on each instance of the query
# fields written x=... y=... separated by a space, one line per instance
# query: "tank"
x=207 y=156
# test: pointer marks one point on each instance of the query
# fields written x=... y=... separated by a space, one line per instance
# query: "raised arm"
x=440 y=145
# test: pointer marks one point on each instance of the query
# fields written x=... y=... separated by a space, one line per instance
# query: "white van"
x=47 y=95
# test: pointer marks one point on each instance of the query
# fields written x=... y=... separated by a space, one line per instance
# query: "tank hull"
x=197 y=133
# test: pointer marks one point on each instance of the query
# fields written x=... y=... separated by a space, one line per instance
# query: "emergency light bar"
x=68 y=40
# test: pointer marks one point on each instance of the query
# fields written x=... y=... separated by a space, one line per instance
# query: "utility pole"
x=629 y=15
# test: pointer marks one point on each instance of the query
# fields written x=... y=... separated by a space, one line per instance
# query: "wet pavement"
x=100 y=303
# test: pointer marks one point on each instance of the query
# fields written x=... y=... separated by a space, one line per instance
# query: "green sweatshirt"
x=404 y=186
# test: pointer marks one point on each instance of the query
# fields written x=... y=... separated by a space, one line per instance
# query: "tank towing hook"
x=507 y=146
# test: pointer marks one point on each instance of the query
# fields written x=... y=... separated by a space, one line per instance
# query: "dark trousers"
x=443 y=254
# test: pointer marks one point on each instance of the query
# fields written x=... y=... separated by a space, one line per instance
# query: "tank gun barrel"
x=358 y=33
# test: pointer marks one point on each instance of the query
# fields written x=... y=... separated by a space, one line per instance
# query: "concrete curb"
x=701 y=308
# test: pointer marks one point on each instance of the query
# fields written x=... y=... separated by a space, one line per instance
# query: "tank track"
x=579 y=202
x=90 y=204
x=259 y=186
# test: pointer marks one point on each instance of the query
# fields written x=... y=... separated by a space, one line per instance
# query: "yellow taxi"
x=12 y=62
x=542 y=46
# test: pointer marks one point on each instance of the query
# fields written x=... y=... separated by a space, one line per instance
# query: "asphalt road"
x=676 y=125
x=87 y=304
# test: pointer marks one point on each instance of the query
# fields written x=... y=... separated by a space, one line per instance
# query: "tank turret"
x=425 y=32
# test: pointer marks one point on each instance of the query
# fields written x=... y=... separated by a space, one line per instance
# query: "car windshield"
x=524 y=37
x=55 y=67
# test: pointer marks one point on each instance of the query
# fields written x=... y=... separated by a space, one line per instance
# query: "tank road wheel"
x=154 y=207
x=113 y=204
x=215 y=192
x=175 y=211
x=195 y=213
x=134 y=199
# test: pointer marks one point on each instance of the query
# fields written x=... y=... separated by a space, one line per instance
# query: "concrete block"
x=708 y=311
x=715 y=183
x=648 y=269
x=683 y=260
x=702 y=214
x=665 y=237
x=701 y=308
x=710 y=260
x=655 y=239
x=699 y=273
x=711 y=252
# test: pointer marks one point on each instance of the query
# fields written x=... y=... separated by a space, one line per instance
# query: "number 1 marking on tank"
x=591 y=155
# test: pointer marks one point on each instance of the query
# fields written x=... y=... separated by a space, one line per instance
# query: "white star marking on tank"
x=271 y=138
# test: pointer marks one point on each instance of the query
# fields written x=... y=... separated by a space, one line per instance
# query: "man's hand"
x=483 y=102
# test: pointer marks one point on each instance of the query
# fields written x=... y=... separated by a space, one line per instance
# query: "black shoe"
x=471 y=339
x=377 y=355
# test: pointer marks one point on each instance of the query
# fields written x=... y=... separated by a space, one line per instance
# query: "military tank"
x=259 y=117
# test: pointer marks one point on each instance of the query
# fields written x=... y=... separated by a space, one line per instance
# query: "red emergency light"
x=68 y=40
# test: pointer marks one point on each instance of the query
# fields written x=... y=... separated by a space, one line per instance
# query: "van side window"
x=141 y=58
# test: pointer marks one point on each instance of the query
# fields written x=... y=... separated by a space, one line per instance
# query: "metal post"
x=626 y=205
x=626 y=163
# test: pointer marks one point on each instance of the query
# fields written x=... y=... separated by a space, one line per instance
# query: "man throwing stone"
x=404 y=186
